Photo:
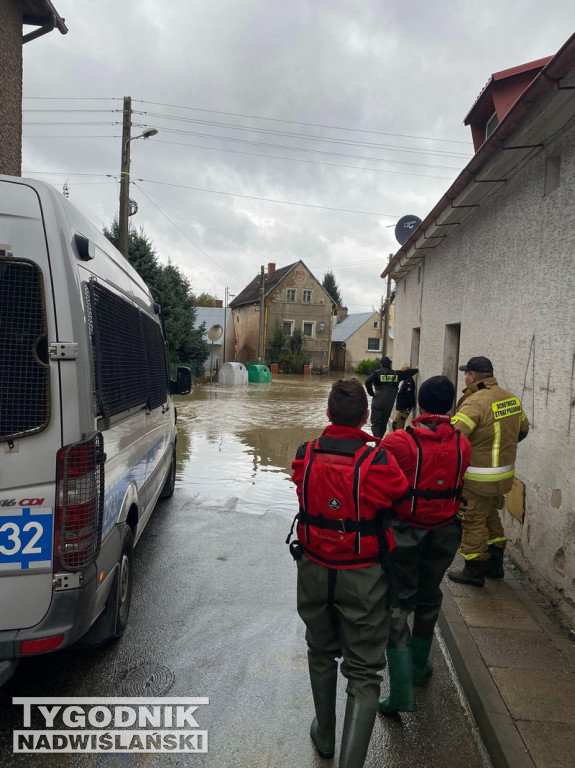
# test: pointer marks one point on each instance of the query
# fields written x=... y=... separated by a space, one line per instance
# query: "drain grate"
x=147 y=680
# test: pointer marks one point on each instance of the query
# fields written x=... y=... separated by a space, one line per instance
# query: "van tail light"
x=80 y=503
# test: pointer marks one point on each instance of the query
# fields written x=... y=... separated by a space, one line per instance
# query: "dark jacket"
x=387 y=378
x=406 y=395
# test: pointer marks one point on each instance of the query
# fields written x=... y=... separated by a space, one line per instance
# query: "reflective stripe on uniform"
x=465 y=419
x=498 y=538
x=489 y=474
x=496 y=444
x=472 y=556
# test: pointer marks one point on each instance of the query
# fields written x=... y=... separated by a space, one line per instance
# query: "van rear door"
x=30 y=412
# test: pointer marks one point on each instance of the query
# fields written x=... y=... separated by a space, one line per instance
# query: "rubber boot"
x=422 y=667
x=472 y=573
x=401 y=696
x=495 y=563
x=322 y=730
x=357 y=728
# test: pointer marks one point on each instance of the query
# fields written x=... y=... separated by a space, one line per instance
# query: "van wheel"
x=170 y=484
x=123 y=583
x=113 y=620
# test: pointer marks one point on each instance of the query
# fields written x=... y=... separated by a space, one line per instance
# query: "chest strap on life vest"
x=414 y=493
x=364 y=527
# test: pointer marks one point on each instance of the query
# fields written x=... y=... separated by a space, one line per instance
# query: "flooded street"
x=213 y=609
x=236 y=444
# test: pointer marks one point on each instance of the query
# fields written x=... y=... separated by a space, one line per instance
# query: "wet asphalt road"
x=213 y=609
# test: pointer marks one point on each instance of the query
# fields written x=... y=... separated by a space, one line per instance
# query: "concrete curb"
x=500 y=735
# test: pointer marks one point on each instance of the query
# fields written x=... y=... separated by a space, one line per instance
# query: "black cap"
x=478 y=365
x=436 y=395
x=386 y=362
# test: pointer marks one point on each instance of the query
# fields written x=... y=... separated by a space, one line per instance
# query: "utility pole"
x=386 y=310
x=262 y=315
x=125 y=178
x=227 y=297
x=125 y=212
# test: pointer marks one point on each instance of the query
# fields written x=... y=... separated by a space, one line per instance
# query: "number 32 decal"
x=14 y=535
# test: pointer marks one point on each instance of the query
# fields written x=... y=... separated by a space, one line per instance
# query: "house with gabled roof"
x=355 y=337
x=491 y=271
x=290 y=297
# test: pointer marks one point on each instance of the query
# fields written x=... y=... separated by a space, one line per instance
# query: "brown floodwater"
x=236 y=443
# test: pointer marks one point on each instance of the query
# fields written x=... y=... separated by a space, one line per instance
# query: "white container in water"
x=233 y=373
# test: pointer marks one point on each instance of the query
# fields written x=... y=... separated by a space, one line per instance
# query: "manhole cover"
x=147 y=680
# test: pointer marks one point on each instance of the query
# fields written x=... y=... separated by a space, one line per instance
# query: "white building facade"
x=491 y=271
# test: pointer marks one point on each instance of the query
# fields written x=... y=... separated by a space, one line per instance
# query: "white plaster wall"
x=507 y=274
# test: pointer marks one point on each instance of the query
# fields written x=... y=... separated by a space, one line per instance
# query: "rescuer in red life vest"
x=342 y=485
x=427 y=532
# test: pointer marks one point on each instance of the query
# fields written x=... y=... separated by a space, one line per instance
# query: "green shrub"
x=365 y=367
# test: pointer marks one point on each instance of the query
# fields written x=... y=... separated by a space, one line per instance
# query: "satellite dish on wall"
x=215 y=333
x=321 y=327
x=405 y=227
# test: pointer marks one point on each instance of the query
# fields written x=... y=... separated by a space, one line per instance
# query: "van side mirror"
x=183 y=383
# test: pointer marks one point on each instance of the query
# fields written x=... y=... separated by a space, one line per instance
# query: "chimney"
x=341 y=314
x=219 y=303
x=271 y=268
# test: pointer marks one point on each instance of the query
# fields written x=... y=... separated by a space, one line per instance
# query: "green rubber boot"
x=322 y=730
x=422 y=667
x=401 y=696
x=357 y=728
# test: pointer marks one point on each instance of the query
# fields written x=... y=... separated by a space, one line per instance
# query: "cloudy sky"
x=287 y=130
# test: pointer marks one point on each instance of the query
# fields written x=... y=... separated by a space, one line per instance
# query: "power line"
x=300 y=122
x=207 y=255
x=187 y=215
x=267 y=199
x=299 y=136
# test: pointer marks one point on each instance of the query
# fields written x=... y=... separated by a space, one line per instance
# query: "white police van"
x=87 y=424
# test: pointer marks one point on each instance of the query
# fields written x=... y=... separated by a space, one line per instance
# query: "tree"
x=331 y=287
x=172 y=290
x=205 y=300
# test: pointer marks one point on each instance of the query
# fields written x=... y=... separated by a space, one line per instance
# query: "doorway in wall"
x=451 y=353
x=415 y=340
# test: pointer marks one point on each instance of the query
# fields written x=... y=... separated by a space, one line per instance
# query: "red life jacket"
x=434 y=495
x=334 y=527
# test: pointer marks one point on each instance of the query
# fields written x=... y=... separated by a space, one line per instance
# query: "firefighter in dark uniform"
x=342 y=486
x=426 y=531
x=385 y=382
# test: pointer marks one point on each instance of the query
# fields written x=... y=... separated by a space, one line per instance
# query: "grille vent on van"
x=129 y=354
x=24 y=369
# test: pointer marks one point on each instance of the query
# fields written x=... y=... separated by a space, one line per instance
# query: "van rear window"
x=24 y=368
x=129 y=354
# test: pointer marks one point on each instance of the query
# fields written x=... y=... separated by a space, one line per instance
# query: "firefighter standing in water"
x=342 y=484
x=385 y=382
x=493 y=420
x=426 y=531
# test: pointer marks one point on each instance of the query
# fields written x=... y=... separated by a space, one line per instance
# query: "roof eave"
x=546 y=80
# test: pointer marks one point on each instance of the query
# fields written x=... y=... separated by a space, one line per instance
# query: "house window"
x=374 y=344
x=306 y=297
x=288 y=327
x=492 y=124
x=308 y=329
x=376 y=324
x=291 y=294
